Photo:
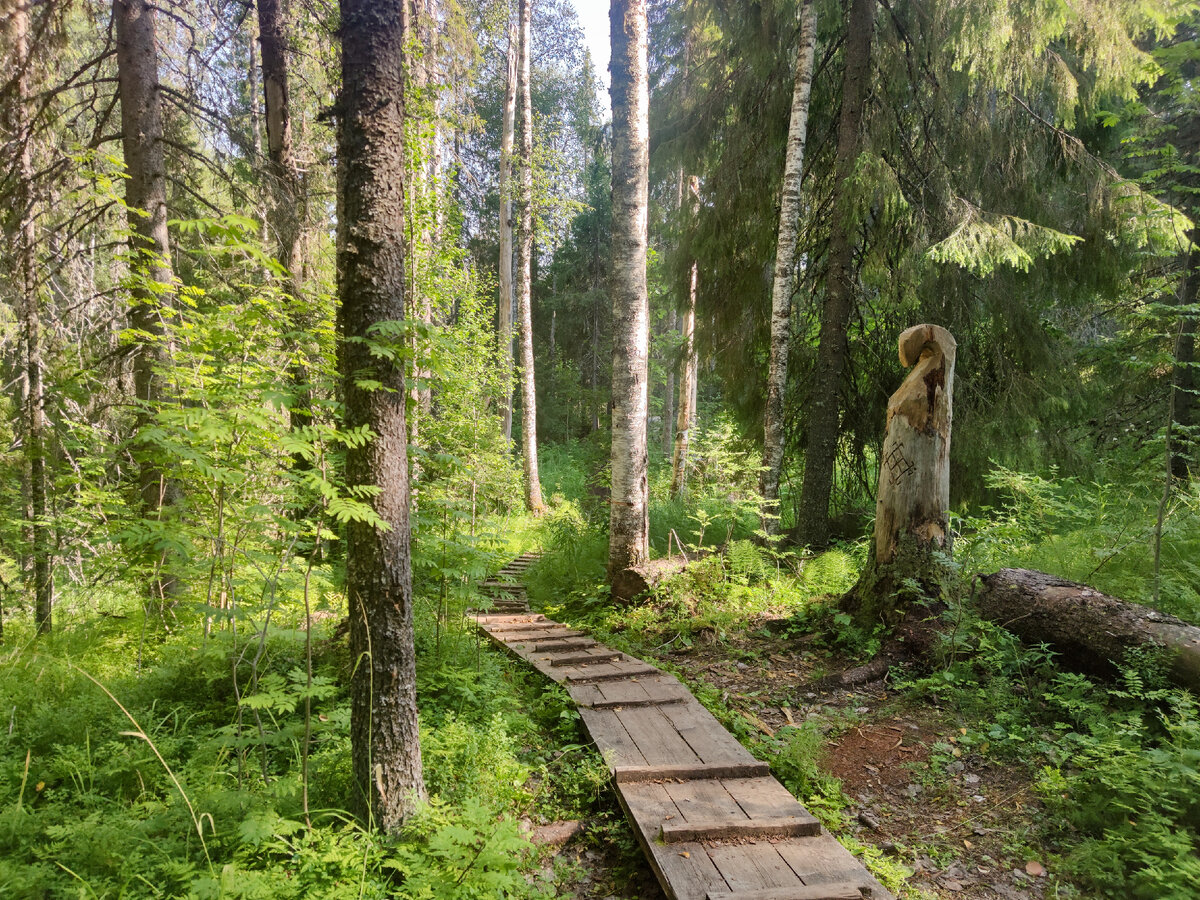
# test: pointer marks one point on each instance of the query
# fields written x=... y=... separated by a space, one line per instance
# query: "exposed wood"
x=584 y=659
x=845 y=890
x=1092 y=631
x=709 y=816
x=633 y=774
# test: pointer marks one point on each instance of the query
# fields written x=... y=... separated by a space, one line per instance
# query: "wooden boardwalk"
x=713 y=822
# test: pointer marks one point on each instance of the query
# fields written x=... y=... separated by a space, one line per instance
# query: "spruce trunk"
x=629 y=527
x=146 y=201
x=529 y=447
x=823 y=419
x=783 y=283
x=385 y=744
x=689 y=369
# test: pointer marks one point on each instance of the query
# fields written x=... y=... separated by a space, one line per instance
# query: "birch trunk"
x=25 y=246
x=689 y=370
x=385 y=744
x=505 y=301
x=146 y=201
x=821 y=450
x=783 y=284
x=288 y=205
x=529 y=448
x=629 y=528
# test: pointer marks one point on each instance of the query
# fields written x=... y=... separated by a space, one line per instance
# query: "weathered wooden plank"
x=611 y=672
x=704 y=801
x=843 y=890
x=753 y=867
x=659 y=743
x=705 y=735
x=683 y=877
x=565 y=643
x=632 y=774
x=764 y=798
x=821 y=860
x=586 y=658
x=611 y=738
x=659 y=688
x=724 y=829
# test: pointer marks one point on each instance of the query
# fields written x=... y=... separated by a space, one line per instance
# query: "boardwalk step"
x=842 y=890
x=567 y=643
x=634 y=704
x=585 y=659
x=634 y=774
x=724 y=829
x=630 y=672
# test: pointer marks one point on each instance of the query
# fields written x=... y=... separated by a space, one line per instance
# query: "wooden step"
x=842 y=890
x=595 y=677
x=566 y=643
x=633 y=774
x=747 y=829
x=585 y=659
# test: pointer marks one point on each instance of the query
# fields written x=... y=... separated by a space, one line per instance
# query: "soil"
x=961 y=822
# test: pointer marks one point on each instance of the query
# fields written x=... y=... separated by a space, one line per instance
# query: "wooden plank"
x=689 y=877
x=661 y=688
x=724 y=829
x=611 y=738
x=587 y=658
x=842 y=890
x=764 y=798
x=705 y=735
x=632 y=774
x=630 y=704
x=821 y=860
x=564 y=643
x=659 y=742
x=750 y=867
x=613 y=672
x=705 y=801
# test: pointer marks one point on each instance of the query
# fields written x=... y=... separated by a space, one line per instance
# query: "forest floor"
x=960 y=822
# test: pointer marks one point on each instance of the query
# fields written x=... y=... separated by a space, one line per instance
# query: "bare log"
x=1092 y=631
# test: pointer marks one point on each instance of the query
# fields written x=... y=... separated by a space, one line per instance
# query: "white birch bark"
x=529 y=459
x=783 y=283
x=505 y=301
x=629 y=542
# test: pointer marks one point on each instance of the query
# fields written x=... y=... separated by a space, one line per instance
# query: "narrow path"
x=712 y=821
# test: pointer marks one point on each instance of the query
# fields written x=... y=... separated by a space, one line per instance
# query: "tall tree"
x=629 y=526
x=288 y=209
x=832 y=348
x=529 y=446
x=146 y=202
x=20 y=132
x=784 y=279
x=505 y=300
x=371 y=217
x=688 y=364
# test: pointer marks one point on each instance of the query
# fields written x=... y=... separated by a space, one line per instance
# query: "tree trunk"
x=288 y=206
x=529 y=447
x=372 y=164
x=1184 y=439
x=783 y=285
x=505 y=301
x=1092 y=631
x=821 y=450
x=669 y=366
x=689 y=369
x=912 y=526
x=25 y=246
x=146 y=200
x=629 y=527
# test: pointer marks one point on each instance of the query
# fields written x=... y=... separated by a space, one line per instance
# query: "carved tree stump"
x=912 y=528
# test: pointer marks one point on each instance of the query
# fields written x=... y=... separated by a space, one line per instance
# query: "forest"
x=315 y=315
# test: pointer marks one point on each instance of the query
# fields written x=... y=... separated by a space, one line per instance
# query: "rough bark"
x=668 y=415
x=912 y=528
x=629 y=527
x=25 y=247
x=689 y=369
x=288 y=210
x=1184 y=387
x=146 y=200
x=821 y=448
x=1092 y=631
x=505 y=301
x=372 y=278
x=529 y=446
x=783 y=282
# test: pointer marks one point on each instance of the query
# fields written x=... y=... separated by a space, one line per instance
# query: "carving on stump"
x=912 y=510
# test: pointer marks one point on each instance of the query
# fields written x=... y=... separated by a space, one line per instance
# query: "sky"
x=593 y=16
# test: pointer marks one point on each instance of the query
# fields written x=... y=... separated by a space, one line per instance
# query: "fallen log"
x=1092 y=631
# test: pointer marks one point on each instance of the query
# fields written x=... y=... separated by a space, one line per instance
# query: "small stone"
x=913 y=790
x=970 y=778
x=862 y=710
x=951 y=884
x=1035 y=868
x=742 y=667
x=869 y=820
